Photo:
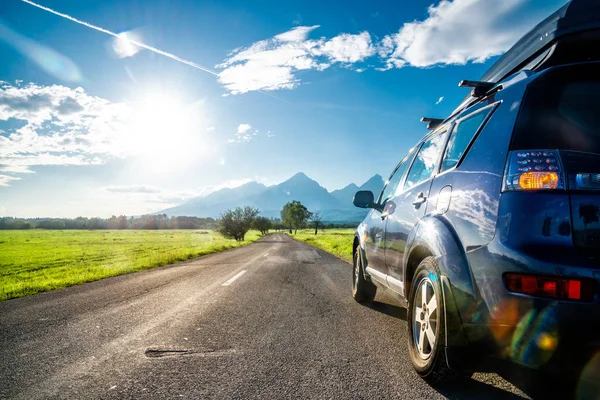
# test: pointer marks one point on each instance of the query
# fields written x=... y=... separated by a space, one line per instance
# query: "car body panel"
x=374 y=226
x=401 y=221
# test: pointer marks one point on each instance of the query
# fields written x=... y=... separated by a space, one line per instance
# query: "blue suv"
x=488 y=230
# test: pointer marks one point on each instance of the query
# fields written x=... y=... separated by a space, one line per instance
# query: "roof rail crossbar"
x=480 y=88
x=432 y=123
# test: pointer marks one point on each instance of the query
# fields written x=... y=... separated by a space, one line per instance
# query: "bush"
x=262 y=224
x=235 y=223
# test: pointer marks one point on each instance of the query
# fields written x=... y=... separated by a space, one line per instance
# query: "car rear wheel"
x=426 y=327
x=363 y=291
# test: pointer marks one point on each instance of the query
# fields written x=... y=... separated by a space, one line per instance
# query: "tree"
x=235 y=223
x=316 y=219
x=294 y=215
x=278 y=226
x=262 y=224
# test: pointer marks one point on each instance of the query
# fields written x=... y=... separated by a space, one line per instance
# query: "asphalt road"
x=271 y=320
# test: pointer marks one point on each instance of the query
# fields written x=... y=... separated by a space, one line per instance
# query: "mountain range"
x=335 y=206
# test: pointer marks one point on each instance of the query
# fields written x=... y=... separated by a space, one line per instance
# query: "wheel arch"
x=435 y=237
x=416 y=255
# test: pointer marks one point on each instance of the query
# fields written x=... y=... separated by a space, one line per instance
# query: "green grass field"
x=335 y=241
x=33 y=261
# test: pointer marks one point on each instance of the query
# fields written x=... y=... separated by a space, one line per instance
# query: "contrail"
x=135 y=42
x=139 y=44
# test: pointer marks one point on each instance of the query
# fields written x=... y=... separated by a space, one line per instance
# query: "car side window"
x=461 y=136
x=426 y=161
x=390 y=189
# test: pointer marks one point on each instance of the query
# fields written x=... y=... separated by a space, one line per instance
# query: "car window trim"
x=456 y=123
x=406 y=157
x=446 y=128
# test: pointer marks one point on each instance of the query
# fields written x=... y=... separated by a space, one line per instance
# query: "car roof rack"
x=432 y=123
x=480 y=88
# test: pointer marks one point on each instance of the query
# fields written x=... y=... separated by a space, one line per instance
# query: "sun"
x=163 y=130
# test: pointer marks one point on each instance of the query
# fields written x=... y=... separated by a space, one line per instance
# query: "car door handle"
x=420 y=199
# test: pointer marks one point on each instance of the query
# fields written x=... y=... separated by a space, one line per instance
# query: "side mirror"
x=364 y=199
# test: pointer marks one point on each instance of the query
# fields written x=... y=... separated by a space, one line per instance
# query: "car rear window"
x=561 y=110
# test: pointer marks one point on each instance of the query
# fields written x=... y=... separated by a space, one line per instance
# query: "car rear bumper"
x=534 y=332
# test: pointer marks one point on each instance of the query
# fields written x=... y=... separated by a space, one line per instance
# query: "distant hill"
x=346 y=194
x=335 y=206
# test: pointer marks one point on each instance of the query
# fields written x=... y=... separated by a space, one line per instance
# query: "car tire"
x=426 y=325
x=363 y=291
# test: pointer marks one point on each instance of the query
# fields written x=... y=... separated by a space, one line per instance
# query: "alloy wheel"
x=425 y=319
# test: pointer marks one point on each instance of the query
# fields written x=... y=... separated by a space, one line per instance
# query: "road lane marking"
x=266 y=254
x=230 y=281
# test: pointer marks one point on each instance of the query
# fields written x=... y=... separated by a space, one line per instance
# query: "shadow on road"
x=534 y=385
x=388 y=309
x=531 y=383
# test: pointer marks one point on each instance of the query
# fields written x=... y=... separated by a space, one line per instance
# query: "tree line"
x=233 y=223
x=159 y=221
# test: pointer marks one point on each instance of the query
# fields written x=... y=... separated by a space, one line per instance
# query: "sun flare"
x=164 y=130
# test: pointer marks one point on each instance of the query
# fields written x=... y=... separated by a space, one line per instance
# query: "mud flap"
x=456 y=344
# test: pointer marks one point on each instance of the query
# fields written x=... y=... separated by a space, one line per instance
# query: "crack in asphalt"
x=157 y=352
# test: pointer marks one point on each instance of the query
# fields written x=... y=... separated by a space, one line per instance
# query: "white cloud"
x=62 y=126
x=16 y=169
x=460 y=31
x=5 y=179
x=245 y=133
x=252 y=76
x=348 y=48
x=439 y=100
x=455 y=32
x=132 y=189
x=243 y=128
x=272 y=64
x=297 y=34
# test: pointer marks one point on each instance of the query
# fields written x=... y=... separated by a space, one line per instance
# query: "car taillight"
x=551 y=287
x=533 y=170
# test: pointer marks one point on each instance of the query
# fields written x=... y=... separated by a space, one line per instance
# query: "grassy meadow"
x=33 y=261
x=335 y=241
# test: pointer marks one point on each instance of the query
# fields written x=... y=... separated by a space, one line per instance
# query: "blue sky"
x=94 y=125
